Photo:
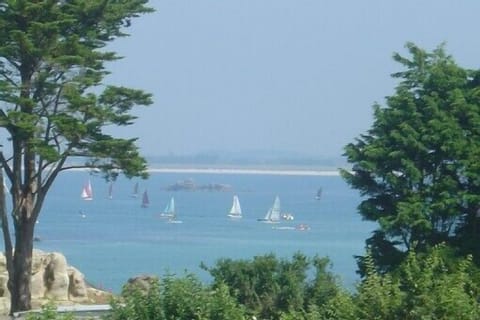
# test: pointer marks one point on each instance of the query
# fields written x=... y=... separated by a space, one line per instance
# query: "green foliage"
x=339 y=307
x=379 y=296
x=176 y=299
x=137 y=304
x=432 y=285
x=438 y=290
x=56 y=111
x=424 y=286
x=55 y=105
x=300 y=315
x=417 y=167
x=49 y=312
x=271 y=288
x=221 y=305
x=324 y=285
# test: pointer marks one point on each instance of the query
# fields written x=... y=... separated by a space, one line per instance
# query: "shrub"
x=172 y=298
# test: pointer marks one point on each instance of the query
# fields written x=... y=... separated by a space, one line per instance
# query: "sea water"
x=111 y=240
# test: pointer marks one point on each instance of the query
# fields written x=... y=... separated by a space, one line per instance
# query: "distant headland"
x=190 y=185
x=290 y=172
x=262 y=163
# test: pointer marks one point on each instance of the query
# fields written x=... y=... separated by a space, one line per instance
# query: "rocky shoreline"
x=53 y=280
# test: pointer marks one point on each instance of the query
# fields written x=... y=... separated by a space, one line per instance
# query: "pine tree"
x=55 y=106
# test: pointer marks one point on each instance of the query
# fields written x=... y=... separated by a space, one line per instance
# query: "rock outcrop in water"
x=190 y=185
x=53 y=279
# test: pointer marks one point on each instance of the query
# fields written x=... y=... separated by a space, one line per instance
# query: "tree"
x=55 y=108
x=417 y=168
x=424 y=286
x=269 y=286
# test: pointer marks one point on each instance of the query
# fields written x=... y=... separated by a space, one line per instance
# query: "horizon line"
x=290 y=172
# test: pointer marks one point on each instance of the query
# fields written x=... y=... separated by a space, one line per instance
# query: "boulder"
x=77 y=289
x=53 y=279
x=38 y=286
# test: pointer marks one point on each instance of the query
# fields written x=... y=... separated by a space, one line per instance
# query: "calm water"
x=118 y=239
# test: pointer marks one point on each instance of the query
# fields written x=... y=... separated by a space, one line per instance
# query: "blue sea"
x=117 y=239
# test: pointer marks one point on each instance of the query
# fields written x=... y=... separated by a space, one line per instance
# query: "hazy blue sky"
x=277 y=75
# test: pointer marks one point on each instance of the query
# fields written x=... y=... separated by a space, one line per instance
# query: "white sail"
x=273 y=214
x=170 y=206
x=169 y=210
x=275 y=210
x=236 y=210
x=87 y=193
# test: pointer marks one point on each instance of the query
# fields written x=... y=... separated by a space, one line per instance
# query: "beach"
x=285 y=172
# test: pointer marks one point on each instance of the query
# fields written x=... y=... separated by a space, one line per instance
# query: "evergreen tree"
x=55 y=107
x=417 y=167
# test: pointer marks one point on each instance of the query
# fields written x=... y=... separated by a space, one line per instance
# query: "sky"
x=293 y=76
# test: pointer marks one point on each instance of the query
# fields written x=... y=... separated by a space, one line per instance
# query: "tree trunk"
x=22 y=266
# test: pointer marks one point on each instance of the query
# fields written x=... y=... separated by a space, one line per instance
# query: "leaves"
x=56 y=108
x=415 y=166
x=183 y=298
x=52 y=66
x=271 y=288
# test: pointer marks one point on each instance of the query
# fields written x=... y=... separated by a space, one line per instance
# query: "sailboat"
x=87 y=193
x=169 y=210
x=173 y=219
x=236 y=210
x=135 y=191
x=319 y=194
x=145 y=201
x=110 y=191
x=273 y=214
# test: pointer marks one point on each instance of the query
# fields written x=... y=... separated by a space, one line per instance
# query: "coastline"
x=252 y=171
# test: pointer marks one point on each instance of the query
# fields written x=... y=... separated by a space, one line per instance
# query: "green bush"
x=433 y=286
x=49 y=312
x=176 y=299
x=424 y=286
x=272 y=288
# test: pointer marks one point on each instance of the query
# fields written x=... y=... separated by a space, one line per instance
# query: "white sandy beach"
x=289 y=172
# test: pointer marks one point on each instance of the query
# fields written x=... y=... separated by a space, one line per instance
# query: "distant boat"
x=87 y=192
x=302 y=227
x=283 y=228
x=273 y=214
x=110 y=191
x=174 y=220
x=169 y=210
x=236 y=210
x=171 y=213
x=319 y=194
x=135 y=191
x=145 y=200
x=287 y=216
